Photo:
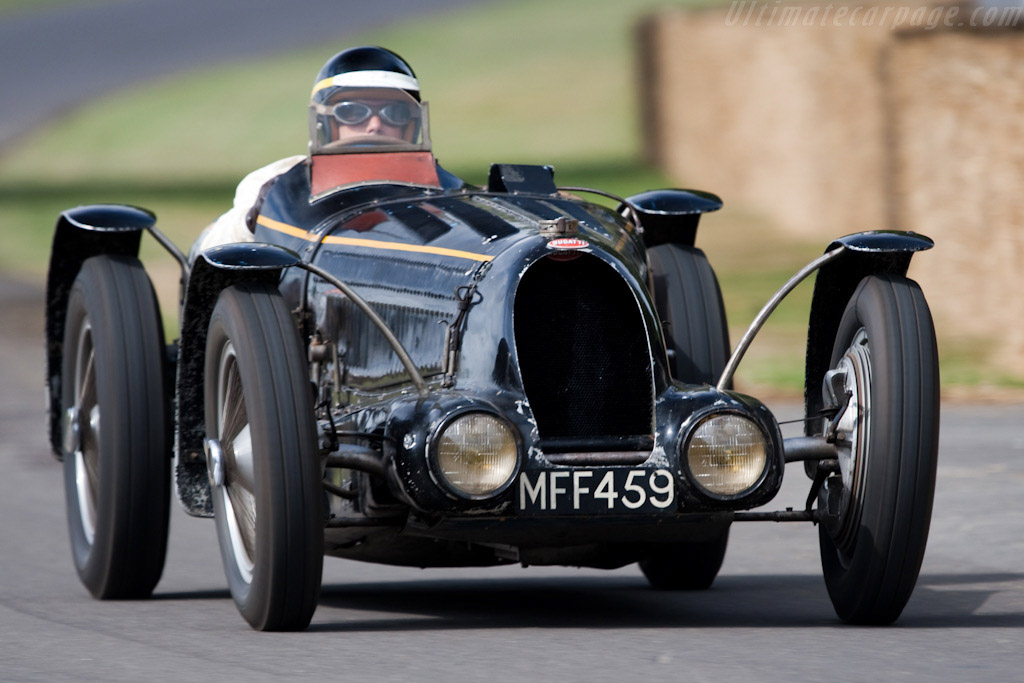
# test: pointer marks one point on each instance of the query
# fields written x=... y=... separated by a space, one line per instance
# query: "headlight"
x=727 y=454
x=477 y=454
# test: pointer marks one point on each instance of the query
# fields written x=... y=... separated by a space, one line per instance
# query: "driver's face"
x=374 y=125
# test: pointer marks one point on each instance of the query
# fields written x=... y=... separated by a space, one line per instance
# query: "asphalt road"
x=767 y=618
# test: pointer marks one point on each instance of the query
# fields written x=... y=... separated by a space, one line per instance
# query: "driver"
x=366 y=96
x=373 y=112
x=363 y=99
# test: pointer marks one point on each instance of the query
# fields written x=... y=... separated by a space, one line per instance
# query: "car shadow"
x=222 y=594
x=617 y=602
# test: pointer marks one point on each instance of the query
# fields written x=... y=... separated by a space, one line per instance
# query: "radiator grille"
x=583 y=353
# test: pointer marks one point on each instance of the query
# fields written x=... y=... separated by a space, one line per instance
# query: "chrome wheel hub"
x=841 y=497
x=230 y=462
x=214 y=462
x=82 y=431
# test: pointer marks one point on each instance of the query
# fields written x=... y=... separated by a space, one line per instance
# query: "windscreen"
x=361 y=120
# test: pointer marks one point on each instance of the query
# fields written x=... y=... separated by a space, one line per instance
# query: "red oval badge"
x=568 y=243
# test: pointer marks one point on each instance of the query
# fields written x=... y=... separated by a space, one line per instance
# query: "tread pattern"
x=127 y=556
x=689 y=300
x=874 y=582
x=289 y=544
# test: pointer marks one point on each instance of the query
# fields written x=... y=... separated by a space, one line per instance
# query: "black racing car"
x=401 y=373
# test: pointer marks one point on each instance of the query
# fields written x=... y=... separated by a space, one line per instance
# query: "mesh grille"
x=583 y=351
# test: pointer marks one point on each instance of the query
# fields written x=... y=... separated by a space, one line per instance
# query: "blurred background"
x=808 y=126
x=808 y=130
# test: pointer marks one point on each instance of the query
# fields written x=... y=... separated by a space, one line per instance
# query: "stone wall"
x=830 y=130
x=958 y=112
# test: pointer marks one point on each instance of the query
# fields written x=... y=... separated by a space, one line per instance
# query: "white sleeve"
x=231 y=227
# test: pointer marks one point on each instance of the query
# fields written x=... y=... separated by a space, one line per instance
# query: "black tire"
x=689 y=566
x=689 y=303
x=117 y=464
x=269 y=507
x=878 y=509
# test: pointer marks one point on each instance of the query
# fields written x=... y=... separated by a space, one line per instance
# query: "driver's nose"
x=373 y=125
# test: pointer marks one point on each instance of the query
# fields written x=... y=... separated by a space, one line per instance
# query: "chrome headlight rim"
x=433 y=445
x=684 y=461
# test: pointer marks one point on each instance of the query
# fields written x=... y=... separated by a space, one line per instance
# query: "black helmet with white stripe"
x=366 y=99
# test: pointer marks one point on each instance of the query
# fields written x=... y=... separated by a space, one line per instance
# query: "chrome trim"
x=214 y=461
x=762 y=316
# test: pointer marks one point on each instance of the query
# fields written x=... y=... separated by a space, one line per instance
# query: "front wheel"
x=877 y=507
x=264 y=466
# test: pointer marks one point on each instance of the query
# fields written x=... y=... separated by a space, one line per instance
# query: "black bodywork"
x=498 y=312
x=494 y=319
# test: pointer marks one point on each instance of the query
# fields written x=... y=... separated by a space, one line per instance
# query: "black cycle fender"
x=877 y=252
x=213 y=271
x=81 y=233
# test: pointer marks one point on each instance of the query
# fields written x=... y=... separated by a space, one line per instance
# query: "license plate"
x=582 y=491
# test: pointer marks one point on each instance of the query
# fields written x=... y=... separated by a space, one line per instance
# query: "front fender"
x=214 y=270
x=81 y=233
x=878 y=252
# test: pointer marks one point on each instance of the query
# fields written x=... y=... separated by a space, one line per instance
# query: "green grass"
x=553 y=82
x=530 y=81
x=16 y=7
x=527 y=81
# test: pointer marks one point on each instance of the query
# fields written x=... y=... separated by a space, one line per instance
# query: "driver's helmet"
x=367 y=99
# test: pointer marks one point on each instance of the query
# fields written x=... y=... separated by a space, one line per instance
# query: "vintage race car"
x=401 y=373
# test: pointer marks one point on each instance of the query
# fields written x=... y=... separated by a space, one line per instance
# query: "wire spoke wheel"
x=267 y=497
x=876 y=509
x=852 y=438
x=233 y=432
x=87 y=455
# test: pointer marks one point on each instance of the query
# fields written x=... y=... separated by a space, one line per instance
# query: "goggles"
x=396 y=114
